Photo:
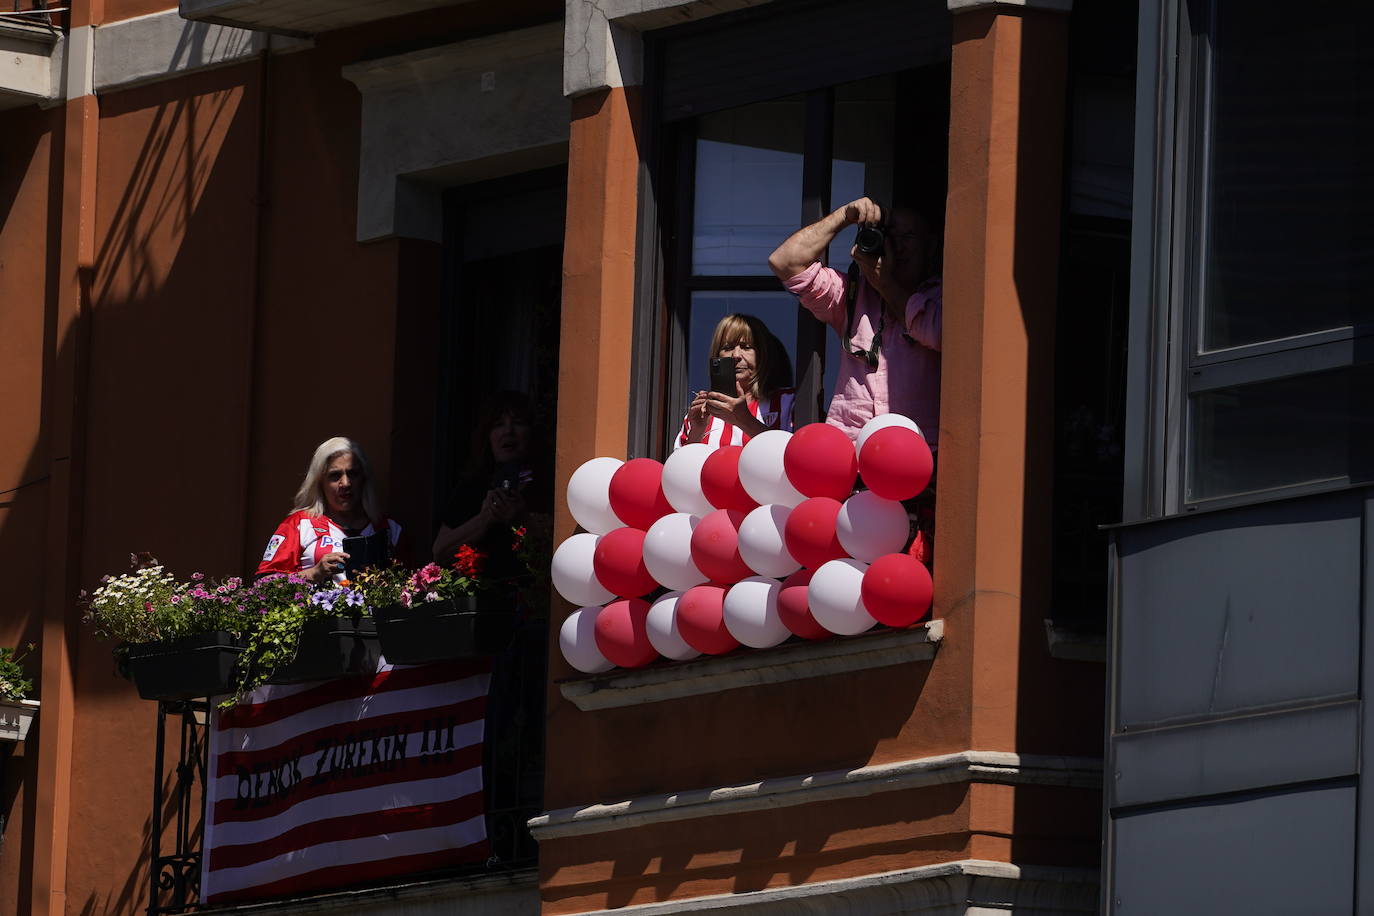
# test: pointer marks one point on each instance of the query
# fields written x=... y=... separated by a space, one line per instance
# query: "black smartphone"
x=723 y=375
x=363 y=553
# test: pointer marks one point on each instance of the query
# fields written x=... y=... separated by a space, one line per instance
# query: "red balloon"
x=619 y=563
x=715 y=547
x=700 y=619
x=897 y=589
x=820 y=461
x=636 y=493
x=810 y=532
x=720 y=480
x=795 y=611
x=896 y=463
x=622 y=634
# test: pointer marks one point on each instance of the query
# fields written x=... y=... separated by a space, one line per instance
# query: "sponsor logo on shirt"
x=327 y=542
x=272 y=544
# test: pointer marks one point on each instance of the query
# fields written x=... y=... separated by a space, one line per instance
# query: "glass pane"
x=777 y=310
x=1296 y=430
x=863 y=150
x=748 y=186
x=1290 y=223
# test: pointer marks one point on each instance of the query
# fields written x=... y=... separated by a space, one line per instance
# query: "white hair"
x=310 y=497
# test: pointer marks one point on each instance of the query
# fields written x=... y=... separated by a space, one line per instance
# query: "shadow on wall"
x=157 y=452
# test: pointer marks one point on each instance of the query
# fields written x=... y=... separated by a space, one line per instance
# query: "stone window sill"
x=752 y=667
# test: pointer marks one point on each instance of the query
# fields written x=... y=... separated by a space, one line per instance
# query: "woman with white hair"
x=335 y=501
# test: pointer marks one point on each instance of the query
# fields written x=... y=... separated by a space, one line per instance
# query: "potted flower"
x=16 y=709
x=440 y=613
x=180 y=640
x=337 y=637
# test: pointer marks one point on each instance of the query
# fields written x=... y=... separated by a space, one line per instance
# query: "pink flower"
x=176 y=599
x=430 y=574
x=148 y=606
x=197 y=576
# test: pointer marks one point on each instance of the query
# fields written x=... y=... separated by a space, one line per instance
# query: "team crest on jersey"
x=272 y=544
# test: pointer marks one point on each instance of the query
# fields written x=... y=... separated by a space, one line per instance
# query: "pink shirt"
x=907 y=380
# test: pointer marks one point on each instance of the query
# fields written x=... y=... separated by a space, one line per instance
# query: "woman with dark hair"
x=505 y=480
x=762 y=398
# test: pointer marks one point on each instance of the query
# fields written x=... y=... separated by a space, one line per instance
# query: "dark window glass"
x=1289 y=205
x=748 y=186
x=863 y=151
x=1290 y=431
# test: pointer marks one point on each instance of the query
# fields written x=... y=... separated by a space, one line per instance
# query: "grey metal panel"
x=1282 y=854
x=1364 y=880
x=1237 y=754
x=1239 y=609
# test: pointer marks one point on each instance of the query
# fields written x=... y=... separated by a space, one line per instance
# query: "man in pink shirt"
x=888 y=319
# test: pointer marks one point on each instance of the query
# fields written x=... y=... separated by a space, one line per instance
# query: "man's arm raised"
x=805 y=246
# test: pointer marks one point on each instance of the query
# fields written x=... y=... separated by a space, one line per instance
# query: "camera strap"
x=851 y=298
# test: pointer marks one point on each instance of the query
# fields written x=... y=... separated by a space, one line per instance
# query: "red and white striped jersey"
x=775 y=414
x=302 y=540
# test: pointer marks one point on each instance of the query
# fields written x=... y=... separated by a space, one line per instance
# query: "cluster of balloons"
x=754 y=544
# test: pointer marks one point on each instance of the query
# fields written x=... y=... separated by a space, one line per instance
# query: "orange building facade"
x=231 y=230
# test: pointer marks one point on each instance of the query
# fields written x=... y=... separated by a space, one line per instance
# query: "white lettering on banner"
x=372 y=777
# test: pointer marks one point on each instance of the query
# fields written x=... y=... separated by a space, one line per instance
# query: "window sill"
x=748 y=668
x=1075 y=645
x=515 y=893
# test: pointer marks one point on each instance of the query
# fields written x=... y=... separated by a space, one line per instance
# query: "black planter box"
x=443 y=630
x=330 y=648
x=183 y=669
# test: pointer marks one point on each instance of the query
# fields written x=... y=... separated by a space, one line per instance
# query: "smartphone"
x=723 y=375
x=363 y=553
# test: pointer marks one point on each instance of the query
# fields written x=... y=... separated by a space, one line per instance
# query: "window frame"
x=1168 y=366
x=658 y=376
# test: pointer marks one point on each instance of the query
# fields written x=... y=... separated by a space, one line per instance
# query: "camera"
x=870 y=239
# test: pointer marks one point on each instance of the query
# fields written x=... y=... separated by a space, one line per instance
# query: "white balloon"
x=662 y=627
x=882 y=421
x=751 y=612
x=869 y=526
x=761 y=470
x=572 y=571
x=835 y=600
x=589 y=495
x=682 y=479
x=761 y=544
x=577 y=639
x=668 y=552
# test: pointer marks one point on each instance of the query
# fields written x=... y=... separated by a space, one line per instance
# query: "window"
x=1263 y=252
x=764 y=125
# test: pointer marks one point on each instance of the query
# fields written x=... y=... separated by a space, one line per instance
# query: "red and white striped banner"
x=324 y=785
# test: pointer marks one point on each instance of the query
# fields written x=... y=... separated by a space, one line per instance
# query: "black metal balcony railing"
x=513 y=778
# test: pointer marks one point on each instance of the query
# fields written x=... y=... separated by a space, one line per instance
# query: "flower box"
x=15 y=718
x=183 y=669
x=433 y=631
x=330 y=648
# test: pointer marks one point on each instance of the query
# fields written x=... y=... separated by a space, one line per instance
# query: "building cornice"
x=964 y=766
x=963 y=886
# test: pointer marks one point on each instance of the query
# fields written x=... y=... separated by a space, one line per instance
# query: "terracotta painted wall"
x=234 y=323
x=27 y=240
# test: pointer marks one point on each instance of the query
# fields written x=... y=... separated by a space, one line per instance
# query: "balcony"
x=28 y=36
x=200 y=848
x=301 y=18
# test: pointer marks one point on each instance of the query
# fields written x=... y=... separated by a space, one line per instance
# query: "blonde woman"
x=761 y=400
x=335 y=501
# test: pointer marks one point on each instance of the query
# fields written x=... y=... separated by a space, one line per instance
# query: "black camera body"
x=870 y=240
